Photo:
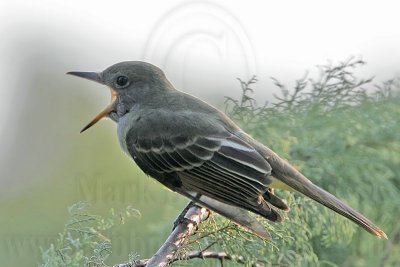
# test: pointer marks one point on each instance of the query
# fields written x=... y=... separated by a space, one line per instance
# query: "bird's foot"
x=183 y=220
x=181 y=217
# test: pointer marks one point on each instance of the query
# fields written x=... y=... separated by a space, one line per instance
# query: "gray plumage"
x=197 y=151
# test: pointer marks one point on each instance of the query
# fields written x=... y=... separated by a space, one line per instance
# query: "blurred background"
x=203 y=46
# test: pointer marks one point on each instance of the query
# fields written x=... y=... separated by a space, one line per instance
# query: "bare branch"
x=191 y=216
x=166 y=254
x=198 y=254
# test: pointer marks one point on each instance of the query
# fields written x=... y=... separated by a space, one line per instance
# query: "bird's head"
x=130 y=82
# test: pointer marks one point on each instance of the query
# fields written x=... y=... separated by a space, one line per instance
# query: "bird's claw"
x=181 y=217
x=180 y=220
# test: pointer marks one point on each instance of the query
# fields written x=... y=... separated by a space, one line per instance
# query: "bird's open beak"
x=95 y=76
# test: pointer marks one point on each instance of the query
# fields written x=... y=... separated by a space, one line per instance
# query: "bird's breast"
x=125 y=124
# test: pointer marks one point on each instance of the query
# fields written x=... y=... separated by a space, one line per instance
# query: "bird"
x=195 y=150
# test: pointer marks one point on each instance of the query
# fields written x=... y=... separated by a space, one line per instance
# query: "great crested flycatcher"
x=194 y=149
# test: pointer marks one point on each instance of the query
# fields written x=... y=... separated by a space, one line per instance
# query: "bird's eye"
x=122 y=81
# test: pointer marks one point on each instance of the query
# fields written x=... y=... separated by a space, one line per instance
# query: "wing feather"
x=194 y=160
x=245 y=185
x=222 y=167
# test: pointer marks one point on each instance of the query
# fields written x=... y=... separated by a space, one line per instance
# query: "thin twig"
x=210 y=233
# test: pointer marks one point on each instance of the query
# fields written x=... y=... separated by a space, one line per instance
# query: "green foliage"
x=346 y=141
x=341 y=132
x=83 y=241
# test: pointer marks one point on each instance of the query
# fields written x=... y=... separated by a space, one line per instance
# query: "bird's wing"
x=210 y=161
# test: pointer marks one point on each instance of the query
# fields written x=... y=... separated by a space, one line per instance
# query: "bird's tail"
x=287 y=174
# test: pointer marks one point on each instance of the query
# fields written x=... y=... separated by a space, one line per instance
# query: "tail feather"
x=287 y=174
x=270 y=197
x=267 y=211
